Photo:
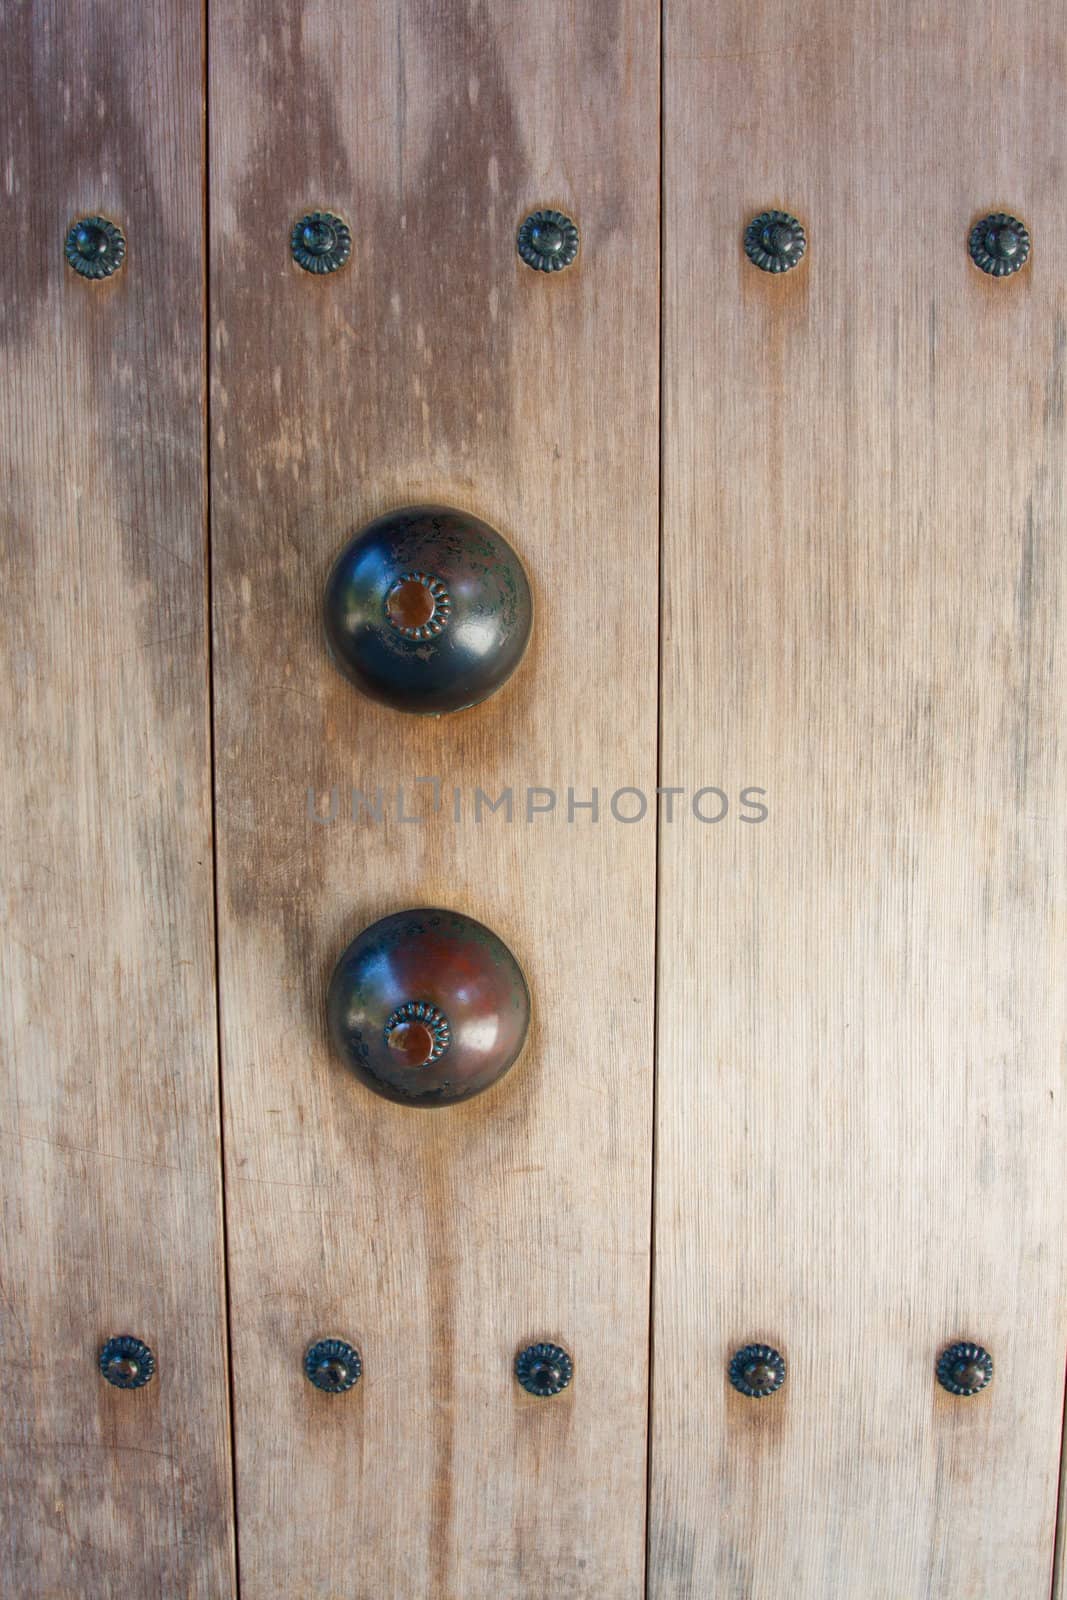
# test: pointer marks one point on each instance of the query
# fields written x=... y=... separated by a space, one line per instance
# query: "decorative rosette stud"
x=333 y=1366
x=127 y=1362
x=419 y=605
x=95 y=247
x=757 y=1371
x=548 y=241
x=999 y=244
x=320 y=242
x=775 y=241
x=544 y=1369
x=418 y=1032
x=964 y=1368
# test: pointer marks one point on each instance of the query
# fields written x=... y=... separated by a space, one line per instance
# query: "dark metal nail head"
x=775 y=241
x=999 y=244
x=757 y=1371
x=548 y=241
x=95 y=247
x=126 y=1362
x=320 y=242
x=965 y=1368
x=333 y=1366
x=544 y=1369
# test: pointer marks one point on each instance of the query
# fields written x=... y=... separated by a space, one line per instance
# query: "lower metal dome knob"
x=428 y=1007
x=428 y=609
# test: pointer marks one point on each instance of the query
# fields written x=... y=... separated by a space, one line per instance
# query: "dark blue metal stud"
x=332 y=1366
x=544 y=1369
x=320 y=242
x=127 y=1362
x=999 y=244
x=757 y=1371
x=775 y=241
x=548 y=241
x=95 y=247
x=964 y=1368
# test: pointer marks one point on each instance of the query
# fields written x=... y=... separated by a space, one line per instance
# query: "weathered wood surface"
x=437 y=367
x=860 y=1130
x=109 y=1127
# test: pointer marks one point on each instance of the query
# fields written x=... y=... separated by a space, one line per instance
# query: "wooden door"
x=769 y=814
x=110 y=1179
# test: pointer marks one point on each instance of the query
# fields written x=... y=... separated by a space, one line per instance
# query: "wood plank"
x=437 y=367
x=111 y=1191
x=860 y=1118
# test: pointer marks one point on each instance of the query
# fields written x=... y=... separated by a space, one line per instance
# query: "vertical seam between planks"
x=1059 y=1532
x=661 y=259
x=235 y=1543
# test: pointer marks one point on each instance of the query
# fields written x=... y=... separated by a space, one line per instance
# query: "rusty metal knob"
x=428 y=1007
x=427 y=609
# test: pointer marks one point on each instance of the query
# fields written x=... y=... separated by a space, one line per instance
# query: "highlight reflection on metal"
x=999 y=244
x=95 y=247
x=320 y=242
x=964 y=1368
x=427 y=609
x=548 y=241
x=126 y=1362
x=333 y=1366
x=757 y=1371
x=544 y=1369
x=418 y=977
x=775 y=241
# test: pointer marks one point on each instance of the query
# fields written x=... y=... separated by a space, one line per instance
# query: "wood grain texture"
x=860 y=1130
x=109 y=1124
x=437 y=367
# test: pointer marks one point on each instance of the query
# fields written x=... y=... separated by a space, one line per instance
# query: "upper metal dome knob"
x=428 y=609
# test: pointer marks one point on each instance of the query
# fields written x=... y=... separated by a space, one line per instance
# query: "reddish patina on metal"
x=428 y=1007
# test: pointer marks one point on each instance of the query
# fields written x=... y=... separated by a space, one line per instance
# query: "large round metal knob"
x=428 y=1007
x=428 y=609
